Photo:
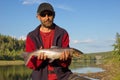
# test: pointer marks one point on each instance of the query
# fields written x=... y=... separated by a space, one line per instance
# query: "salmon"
x=52 y=53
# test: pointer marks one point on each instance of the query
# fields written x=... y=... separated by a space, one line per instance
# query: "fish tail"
x=26 y=57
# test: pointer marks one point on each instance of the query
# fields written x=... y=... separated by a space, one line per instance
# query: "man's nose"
x=46 y=16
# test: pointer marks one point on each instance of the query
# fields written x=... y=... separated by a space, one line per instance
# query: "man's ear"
x=38 y=16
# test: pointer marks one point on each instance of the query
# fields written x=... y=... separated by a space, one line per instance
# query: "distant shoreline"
x=16 y=62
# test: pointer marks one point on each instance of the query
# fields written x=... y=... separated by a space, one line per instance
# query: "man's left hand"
x=65 y=55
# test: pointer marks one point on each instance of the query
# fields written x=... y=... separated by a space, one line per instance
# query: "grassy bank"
x=111 y=67
x=16 y=62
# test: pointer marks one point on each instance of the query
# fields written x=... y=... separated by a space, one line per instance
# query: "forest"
x=11 y=48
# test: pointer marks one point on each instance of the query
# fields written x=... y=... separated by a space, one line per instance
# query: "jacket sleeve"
x=65 y=43
x=33 y=63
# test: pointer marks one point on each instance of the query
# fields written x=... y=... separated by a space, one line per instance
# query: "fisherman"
x=46 y=35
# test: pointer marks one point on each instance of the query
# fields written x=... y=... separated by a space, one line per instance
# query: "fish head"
x=76 y=52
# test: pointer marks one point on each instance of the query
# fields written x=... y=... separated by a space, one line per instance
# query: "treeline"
x=94 y=56
x=11 y=48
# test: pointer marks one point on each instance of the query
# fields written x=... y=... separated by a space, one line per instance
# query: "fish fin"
x=25 y=56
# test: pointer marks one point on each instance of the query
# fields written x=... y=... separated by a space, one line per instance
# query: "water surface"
x=20 y=72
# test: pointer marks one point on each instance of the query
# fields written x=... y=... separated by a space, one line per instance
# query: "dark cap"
x=45 y=6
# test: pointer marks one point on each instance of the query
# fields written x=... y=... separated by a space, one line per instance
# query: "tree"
x=116 y=50
x=10 y=47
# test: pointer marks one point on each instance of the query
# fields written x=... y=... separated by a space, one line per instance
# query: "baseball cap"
x=45 y=6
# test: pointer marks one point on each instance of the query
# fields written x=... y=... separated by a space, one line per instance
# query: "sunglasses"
x=43 y=14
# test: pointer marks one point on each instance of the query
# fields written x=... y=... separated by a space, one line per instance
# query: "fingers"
x=40 y=47
x=65 y=55
x=42 y=56
x=62 y=56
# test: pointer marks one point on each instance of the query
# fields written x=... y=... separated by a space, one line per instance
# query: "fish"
x=51 y=53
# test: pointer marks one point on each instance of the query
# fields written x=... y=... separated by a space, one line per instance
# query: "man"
x=46 y=35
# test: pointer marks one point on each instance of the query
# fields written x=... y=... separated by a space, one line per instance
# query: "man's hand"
x=65 y=55
x=42 y=56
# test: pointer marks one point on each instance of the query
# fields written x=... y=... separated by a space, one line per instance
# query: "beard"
x=47 y=23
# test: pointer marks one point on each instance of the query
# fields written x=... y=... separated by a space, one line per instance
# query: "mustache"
x=48 y=21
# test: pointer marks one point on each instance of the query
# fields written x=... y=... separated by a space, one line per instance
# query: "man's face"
x=46 y=18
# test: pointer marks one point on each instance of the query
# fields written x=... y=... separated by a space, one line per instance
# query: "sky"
x=92 y=24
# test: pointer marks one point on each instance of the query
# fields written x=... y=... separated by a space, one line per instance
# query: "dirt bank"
x=111 y=71
x=105 y=75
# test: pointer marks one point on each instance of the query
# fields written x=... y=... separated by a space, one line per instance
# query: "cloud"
x=96 y=45
x=84 y=41
x=27 y=2
x=60 y=6
x=110 y=40
x=64 y=7
x=22 y=38
x=19 y=38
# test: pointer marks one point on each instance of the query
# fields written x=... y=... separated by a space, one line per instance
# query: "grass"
x=16 y=62
x=113 y=65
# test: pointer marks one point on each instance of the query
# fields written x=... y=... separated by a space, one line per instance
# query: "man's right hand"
x=42 y=56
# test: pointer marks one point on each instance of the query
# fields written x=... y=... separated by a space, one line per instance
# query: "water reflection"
x=20 y=72
x=14 y=73
x=86 y=67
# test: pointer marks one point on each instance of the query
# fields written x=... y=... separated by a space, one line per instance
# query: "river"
x=20 y=72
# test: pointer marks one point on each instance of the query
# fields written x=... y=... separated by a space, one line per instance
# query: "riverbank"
x=111 y=72
x=16 y=62
x=105 y=75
